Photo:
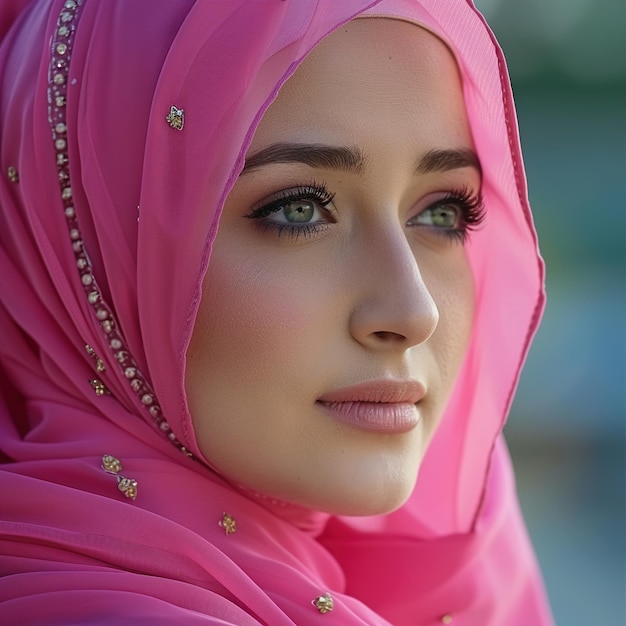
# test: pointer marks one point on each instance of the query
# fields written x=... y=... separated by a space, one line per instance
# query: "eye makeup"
x=307 y=209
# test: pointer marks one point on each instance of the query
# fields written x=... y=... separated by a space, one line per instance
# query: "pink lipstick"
x=383 y=406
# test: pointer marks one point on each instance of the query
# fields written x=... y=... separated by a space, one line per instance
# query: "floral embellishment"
x=111 y=464
x=228 y=523
x=128 y=486
x=99 y=387
x=324 y=604
x=12 y=174
x=176 y=118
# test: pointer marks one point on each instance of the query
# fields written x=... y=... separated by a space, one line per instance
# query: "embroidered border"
x=58 y=77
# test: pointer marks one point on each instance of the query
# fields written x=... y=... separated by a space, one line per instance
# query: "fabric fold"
x=93 y=352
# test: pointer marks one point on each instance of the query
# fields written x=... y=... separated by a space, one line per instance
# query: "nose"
x=395 y=309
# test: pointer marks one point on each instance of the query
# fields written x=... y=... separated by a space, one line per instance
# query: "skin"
x=374 y=294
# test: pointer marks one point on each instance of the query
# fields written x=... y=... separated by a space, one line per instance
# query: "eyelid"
x=463 y=193
x=317 y=192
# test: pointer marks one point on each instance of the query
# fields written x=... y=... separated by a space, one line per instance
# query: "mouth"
x=383 y=406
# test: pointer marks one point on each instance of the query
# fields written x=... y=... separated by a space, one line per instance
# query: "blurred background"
x=567 y=429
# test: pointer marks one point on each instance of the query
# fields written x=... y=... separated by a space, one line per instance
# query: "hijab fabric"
x=108 y=211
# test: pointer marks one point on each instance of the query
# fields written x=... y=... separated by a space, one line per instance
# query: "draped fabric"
x=117 y=263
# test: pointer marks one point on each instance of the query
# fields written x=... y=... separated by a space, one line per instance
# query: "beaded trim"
x=58 y=77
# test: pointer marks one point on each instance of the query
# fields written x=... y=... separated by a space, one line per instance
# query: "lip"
x=382 y=406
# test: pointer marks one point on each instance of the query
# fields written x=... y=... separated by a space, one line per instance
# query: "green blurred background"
x=567 y=428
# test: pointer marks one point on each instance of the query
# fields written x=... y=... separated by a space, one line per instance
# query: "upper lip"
x=383 y=391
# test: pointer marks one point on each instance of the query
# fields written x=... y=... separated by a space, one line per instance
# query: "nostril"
x=387 y=335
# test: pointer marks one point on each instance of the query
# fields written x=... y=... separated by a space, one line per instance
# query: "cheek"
x=245 y=306
x=236 y=350
x=254 y=326
x=452 y=287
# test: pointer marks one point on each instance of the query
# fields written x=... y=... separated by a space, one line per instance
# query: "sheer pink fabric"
x=74 y=549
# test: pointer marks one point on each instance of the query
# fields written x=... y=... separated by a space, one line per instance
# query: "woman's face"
x=338 y=300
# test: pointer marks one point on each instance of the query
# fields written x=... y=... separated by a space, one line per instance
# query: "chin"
x=363 y=498
x=365 y=509
x=370 y=505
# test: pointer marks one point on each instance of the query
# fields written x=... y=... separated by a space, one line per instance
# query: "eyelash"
x=470 y=205
x=313 y=192
x=472 y=212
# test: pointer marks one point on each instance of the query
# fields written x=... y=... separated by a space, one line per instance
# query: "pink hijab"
x=107 y=216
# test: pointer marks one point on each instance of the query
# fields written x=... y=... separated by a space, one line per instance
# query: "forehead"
x=372 y=78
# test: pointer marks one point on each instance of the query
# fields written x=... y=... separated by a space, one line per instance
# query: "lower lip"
x=381 y=417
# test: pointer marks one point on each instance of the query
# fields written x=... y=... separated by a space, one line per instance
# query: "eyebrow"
x=449 y=159
x=344 y=158
x=352 y=159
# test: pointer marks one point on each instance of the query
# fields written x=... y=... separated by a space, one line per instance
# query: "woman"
x=255 y=255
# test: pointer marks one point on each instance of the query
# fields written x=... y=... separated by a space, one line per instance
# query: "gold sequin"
x=324 y=604
x=98 y=387
x=176 y=118
x=14 y=177
x=228 y=523
x=128 y=486
x=447 y=619
x=111 y=464
x=99 y=362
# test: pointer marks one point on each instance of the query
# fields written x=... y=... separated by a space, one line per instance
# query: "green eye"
x=442 y=216
x=298 y=211
x=453 y=215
